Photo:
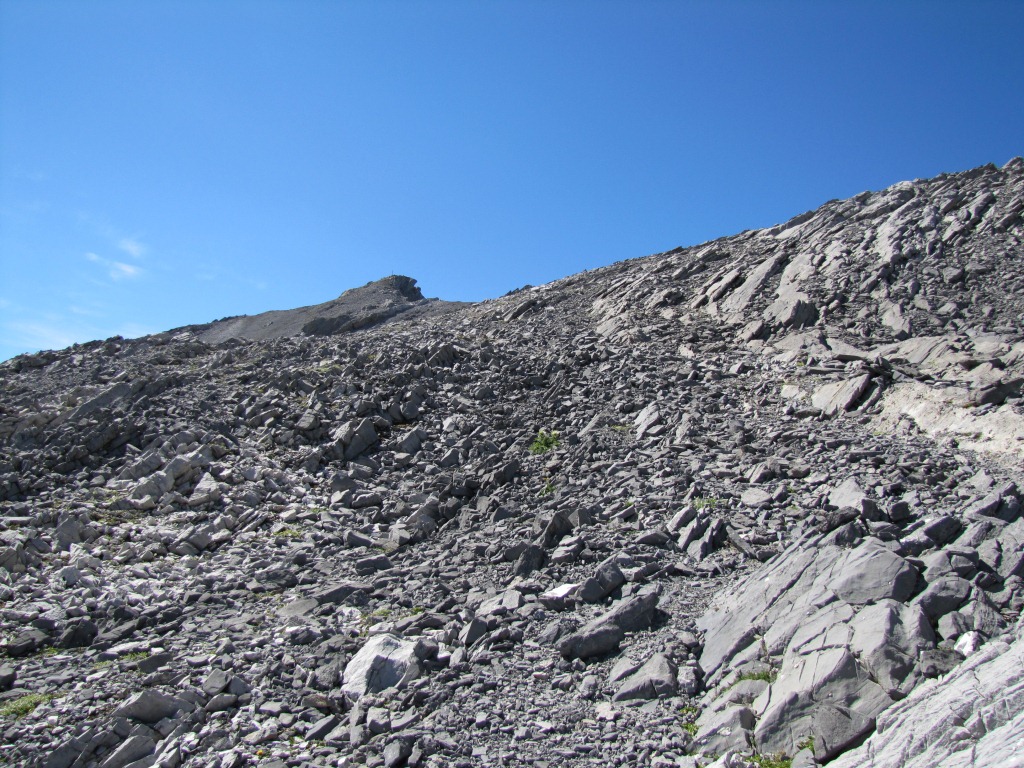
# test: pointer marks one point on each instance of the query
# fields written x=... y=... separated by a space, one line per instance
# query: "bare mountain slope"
x=755 y=497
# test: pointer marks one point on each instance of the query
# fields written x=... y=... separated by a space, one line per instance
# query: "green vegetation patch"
x=768 y=675
x=772 y=761
x=24 y=705
x=544 y=442
x=709 y=503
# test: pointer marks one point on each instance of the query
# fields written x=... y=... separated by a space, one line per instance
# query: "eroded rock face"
x=704 y=502
x=972 y=717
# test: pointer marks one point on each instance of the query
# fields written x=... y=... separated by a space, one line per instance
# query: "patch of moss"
x=772 y=761
x=24 y=705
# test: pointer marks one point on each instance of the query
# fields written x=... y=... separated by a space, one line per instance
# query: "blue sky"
x=173 y=162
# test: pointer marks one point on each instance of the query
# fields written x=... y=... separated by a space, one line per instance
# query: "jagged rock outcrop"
x=761 y=495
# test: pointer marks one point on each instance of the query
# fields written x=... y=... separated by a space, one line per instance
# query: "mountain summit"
x=372 y=304
x=753 y=500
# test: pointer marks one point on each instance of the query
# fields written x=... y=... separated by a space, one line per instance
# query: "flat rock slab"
x=840 y=396
x=972 y=718
x=871 y=573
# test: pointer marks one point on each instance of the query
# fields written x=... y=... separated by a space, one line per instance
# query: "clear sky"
x=173 y=162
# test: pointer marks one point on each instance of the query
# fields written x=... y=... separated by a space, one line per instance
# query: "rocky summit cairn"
x=753 y=502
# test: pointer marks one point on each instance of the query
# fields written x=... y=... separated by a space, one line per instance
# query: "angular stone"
x=216 y=682
x=655 y=679
x=606 y=580
x=149 y=706
x=799 y=716
x=131 y=749
x=943 y=596
x=385 y=661
x=603 y=634
x=207 y=491
x=887 y=638
x=840 y=396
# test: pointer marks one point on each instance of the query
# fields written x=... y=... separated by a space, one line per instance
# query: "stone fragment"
x=206 y=491
x=131 y=749
x=943 y=596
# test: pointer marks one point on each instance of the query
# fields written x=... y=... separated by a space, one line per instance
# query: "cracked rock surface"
x=760 y=496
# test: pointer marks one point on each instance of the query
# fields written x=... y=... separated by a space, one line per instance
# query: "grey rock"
x=840 y=396
x=606 y=580
x=972 y=717
x=131 y=749
x=871 y=573
x=603 y=634
x=385 y=661
x=149 y=706
x=655 y=679
x=943 y=596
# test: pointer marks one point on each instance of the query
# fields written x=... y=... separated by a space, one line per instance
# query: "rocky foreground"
x=755 y=502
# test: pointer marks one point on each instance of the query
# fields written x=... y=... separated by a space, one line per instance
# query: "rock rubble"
x=760 y=496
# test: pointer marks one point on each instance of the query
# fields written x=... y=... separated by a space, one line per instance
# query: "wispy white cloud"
x=37 y=335
x=56 y=332
x=75 y=309
x=133 y=247
x=117 y=270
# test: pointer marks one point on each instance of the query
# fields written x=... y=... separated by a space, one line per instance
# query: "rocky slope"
x=752 y=500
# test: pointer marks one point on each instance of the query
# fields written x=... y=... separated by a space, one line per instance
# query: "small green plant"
x=772 y=761
x=289 y=533
x=24 y=705
x=135 y=656
x=620 y=427
x=768 y=675
x=806 y=743
x=706 y=503
x=689 y=714
x=544 y=442
x=548 y=488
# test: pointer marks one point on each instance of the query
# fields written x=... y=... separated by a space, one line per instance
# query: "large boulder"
x=150 y=706
x=384 y=662
x=603 y=634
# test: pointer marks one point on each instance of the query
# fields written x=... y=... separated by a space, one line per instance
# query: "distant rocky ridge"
x=755 y=499
x=372 y=304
